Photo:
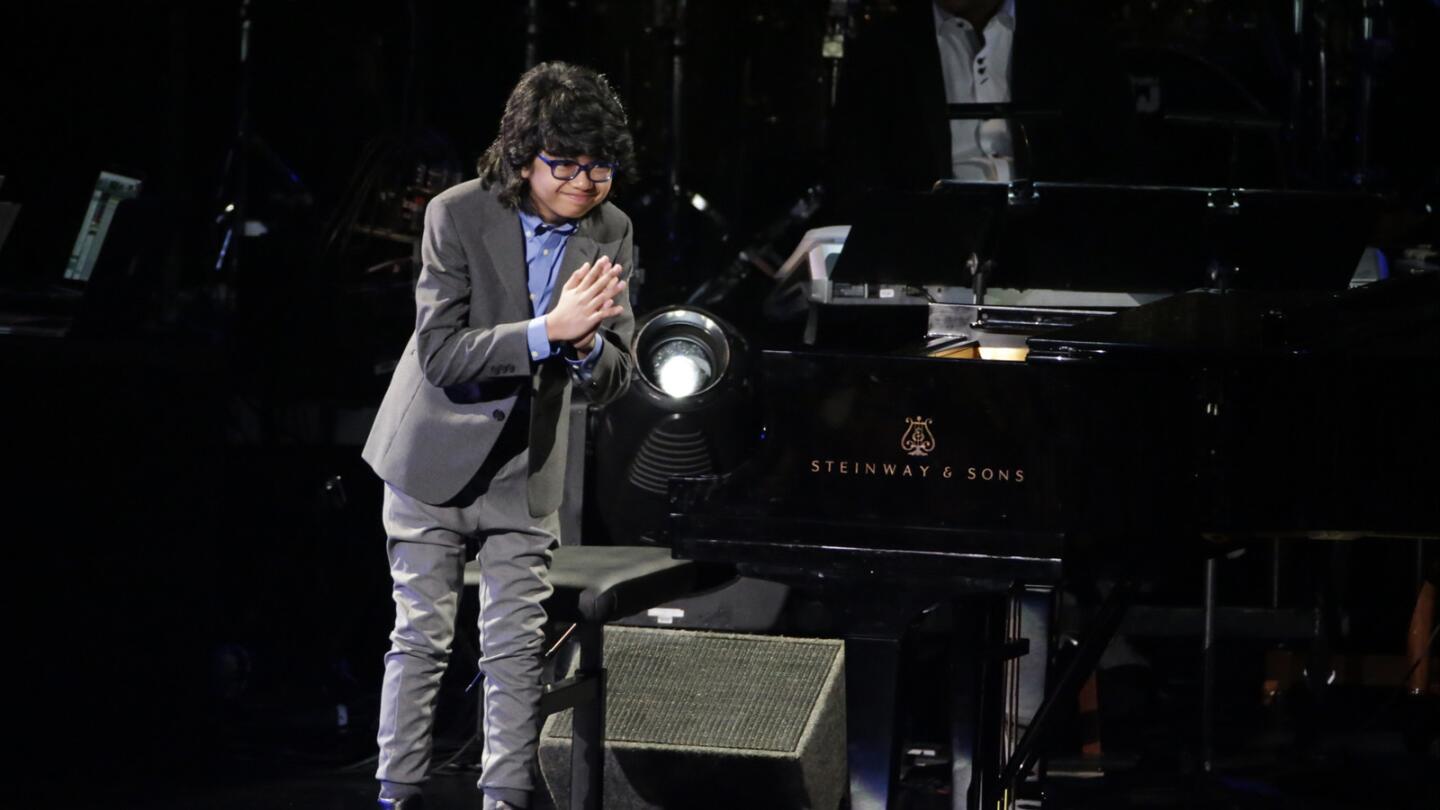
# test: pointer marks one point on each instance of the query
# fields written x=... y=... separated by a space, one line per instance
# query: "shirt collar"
x=533 y=225
x=1005 y=15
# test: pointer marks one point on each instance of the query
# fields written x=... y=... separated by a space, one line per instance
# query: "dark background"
x=196 y=558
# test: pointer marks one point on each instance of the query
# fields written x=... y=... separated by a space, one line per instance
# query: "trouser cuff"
x=515 y=798
x=398 y=790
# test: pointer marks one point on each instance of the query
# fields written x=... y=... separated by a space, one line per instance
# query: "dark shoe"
x=408 y=803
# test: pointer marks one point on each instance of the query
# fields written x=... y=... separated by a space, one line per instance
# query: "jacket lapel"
x=507 y=252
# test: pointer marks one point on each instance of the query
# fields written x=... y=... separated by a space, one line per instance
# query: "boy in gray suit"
x=520 y=298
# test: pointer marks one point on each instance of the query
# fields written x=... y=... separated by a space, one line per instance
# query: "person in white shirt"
x=975 y=38
x=891 y=130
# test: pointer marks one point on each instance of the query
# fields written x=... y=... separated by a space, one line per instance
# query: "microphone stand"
x=232 y=194
x=234 y=176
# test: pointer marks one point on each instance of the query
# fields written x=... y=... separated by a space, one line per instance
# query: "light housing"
x=682 y=353
x=691 y=411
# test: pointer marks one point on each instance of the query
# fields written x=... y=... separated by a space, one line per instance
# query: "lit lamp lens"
x=683 y=353
x=682 y=367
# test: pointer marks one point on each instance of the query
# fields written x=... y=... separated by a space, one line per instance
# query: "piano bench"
x=594 y=585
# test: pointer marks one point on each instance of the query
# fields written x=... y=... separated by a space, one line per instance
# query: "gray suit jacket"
x=468 y=360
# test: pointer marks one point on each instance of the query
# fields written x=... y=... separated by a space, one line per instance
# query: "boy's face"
x=559 y=200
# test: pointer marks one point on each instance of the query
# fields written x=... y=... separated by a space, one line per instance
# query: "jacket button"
x=499 y=416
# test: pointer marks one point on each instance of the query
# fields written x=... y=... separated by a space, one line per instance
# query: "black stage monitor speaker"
x=743 y=605
x=700 y=720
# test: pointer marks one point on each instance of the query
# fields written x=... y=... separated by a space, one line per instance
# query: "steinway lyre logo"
x=918 y=440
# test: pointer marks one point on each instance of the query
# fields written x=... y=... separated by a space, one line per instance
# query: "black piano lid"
x=1109 y=238
x=1399 y=317
x=921 y=239
x=1204 y=325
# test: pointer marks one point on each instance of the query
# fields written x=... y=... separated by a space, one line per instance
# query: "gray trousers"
x=427 y=548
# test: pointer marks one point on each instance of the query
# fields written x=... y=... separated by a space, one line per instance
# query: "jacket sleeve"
x=611 y=376
x=451 y=351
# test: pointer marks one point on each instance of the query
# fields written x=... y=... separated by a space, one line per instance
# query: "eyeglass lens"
x=569 y=170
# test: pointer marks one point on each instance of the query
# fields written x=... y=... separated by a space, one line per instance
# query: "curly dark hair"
x=564 y=109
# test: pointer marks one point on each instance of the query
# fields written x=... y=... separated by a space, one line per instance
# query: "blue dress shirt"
x=544 y=249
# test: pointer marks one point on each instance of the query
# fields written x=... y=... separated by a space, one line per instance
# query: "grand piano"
x=1134 y=418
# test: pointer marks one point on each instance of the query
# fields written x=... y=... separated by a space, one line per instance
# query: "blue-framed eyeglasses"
x=566 y=169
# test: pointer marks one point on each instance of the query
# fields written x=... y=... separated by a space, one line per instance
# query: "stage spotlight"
x=692 y=411
x=682 y=352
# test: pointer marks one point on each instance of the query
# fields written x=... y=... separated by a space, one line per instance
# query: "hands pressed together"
x=586 y=299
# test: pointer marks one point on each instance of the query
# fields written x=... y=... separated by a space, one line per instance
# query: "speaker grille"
x=666 y=453
x=711 y=690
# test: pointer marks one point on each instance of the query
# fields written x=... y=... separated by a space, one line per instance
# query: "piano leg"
x=991 y=659
x=973 y=690
x=1067 y=684
x=872 y=667
x=980 y=691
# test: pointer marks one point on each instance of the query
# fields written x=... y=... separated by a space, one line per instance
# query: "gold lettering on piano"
x=881 y=469
x=917 y=439
x=998 y=474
